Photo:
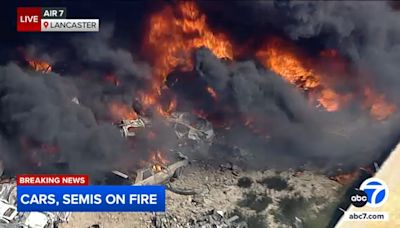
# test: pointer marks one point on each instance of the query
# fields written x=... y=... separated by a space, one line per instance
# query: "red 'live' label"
x=29 y=19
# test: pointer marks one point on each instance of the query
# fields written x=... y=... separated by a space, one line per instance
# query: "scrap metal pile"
x=191 y=127
x=188 y=129
x=10 y=217
x=186 y=126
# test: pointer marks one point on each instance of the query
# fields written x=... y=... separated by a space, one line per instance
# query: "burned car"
x=193 y=133
x=128 y=127
x=156 y=173
x=186 y=126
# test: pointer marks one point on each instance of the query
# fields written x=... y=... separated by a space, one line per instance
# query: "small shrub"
x=255 y=201
x=252 y=221
x=245 y=182
x=290 y=208
x=256 y=221
x=276 y=183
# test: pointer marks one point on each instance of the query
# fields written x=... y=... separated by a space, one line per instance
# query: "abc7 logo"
x=359 y=198
x=373 y=192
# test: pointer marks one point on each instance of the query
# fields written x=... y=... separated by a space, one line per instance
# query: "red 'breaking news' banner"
x=52 y=179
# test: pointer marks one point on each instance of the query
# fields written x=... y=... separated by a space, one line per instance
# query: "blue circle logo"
x=377 y=191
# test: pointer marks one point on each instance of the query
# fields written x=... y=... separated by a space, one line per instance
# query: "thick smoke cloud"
x=38 y=108
x=88 y=59
x=69 y=111
x=367 y=32
x=97 y=49
x=98 y=56
x=299 y=133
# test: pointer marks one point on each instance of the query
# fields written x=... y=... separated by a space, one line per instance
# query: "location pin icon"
x=46 y=24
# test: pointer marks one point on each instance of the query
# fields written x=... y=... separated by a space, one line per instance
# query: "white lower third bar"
x=70 y=25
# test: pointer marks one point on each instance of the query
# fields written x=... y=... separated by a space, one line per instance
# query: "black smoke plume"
x=299 y=134
x=366 y=32
x=64 y=118
x=37 y=110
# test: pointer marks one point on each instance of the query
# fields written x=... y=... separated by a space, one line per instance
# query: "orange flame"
x=379 y=108
x=331 y=100
x=147 y=99
x=281 y=58
x=174 y=33
x=158 y=160
x=121 y=111
x=212 y=92
x=151 y=100
x=172 y=105
x=158 y=157
x=171 y=38
x=39 y=65
x=285 y=60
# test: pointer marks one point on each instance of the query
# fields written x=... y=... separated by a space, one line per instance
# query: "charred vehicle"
x=191 y=127
x=129 y=127
x=186 y=126
x=189 y=130
x=156 y=173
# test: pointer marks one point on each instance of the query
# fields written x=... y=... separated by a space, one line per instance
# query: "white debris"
x=10 y=215
x=186 y=125
x=7 y=212
x=75 y=100
x=128 y=127
x=192 y=127
x=36 y=220
x=220 y=213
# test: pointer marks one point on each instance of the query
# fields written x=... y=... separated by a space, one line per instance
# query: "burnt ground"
x=261 y=198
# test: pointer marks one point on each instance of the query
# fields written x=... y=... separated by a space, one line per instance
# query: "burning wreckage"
x=187 y=127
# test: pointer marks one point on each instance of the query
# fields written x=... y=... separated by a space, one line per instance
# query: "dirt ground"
x=261 y=198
